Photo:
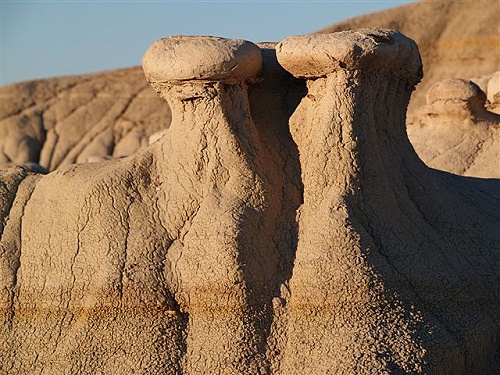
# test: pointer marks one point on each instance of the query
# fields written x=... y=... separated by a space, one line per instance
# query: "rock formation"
x=490 y=85
x=94 y=117
x=282 y=225
x=61 y=121
x=457 y=39
x=455 y=132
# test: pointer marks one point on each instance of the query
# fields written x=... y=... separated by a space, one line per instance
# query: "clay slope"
x=281 y=226
x=59 y=121
x=457 y=39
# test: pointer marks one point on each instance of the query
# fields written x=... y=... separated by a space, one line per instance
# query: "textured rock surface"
x=60 y=121
x=457 y=39
x=182 y=58
x=232 y=246
x=455 y=131
x=490 y=85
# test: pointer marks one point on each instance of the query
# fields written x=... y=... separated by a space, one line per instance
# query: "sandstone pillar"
x=221 y=269
x=349 y=130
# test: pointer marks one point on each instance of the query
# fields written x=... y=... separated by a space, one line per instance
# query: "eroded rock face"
x=456 y=132
x=283 y=225
x=457 y=39
x=61 y=121
x=109 y=115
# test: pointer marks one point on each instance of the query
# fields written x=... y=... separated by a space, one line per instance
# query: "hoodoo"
x=384 y=262
x=222 y=269
x=282 y=225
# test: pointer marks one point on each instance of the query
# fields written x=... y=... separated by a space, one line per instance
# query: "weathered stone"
x=182 y=58
x=273 y=229
x=456 y=132
x=61 y=121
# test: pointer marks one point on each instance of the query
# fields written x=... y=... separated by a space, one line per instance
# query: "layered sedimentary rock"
x=283 y=225
x=191 y=232
x=455 y=131
x=61 y=121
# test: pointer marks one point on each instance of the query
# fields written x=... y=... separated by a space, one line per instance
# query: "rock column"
x=348 y=130
x=221 y=270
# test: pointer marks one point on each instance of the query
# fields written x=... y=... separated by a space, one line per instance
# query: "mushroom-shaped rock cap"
x=457 y=90
x=182 y=58
x=316 y=55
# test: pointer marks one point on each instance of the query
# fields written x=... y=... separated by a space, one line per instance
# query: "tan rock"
x=490 y=85
x=227 y=247
x=493 y=92
x=61 y=121
x=323 y=54
x=155 y=136
x=234 y=197
x=457 y=39
x=456 y=98
x=455 y=131
x=181 y=58
x=141 y=248
x=382 y=279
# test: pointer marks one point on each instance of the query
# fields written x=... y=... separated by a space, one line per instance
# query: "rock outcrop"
x=455 y=132
x=60 y=121
x=457 y=39
x=282 y=225
x=56 y=122
x=490 y=85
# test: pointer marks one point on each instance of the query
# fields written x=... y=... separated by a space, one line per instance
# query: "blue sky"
x=52 y=38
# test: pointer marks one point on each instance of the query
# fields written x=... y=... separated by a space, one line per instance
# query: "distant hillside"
x=60 y=121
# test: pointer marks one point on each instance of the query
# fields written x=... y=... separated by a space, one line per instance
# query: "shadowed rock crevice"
x=273 y=99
